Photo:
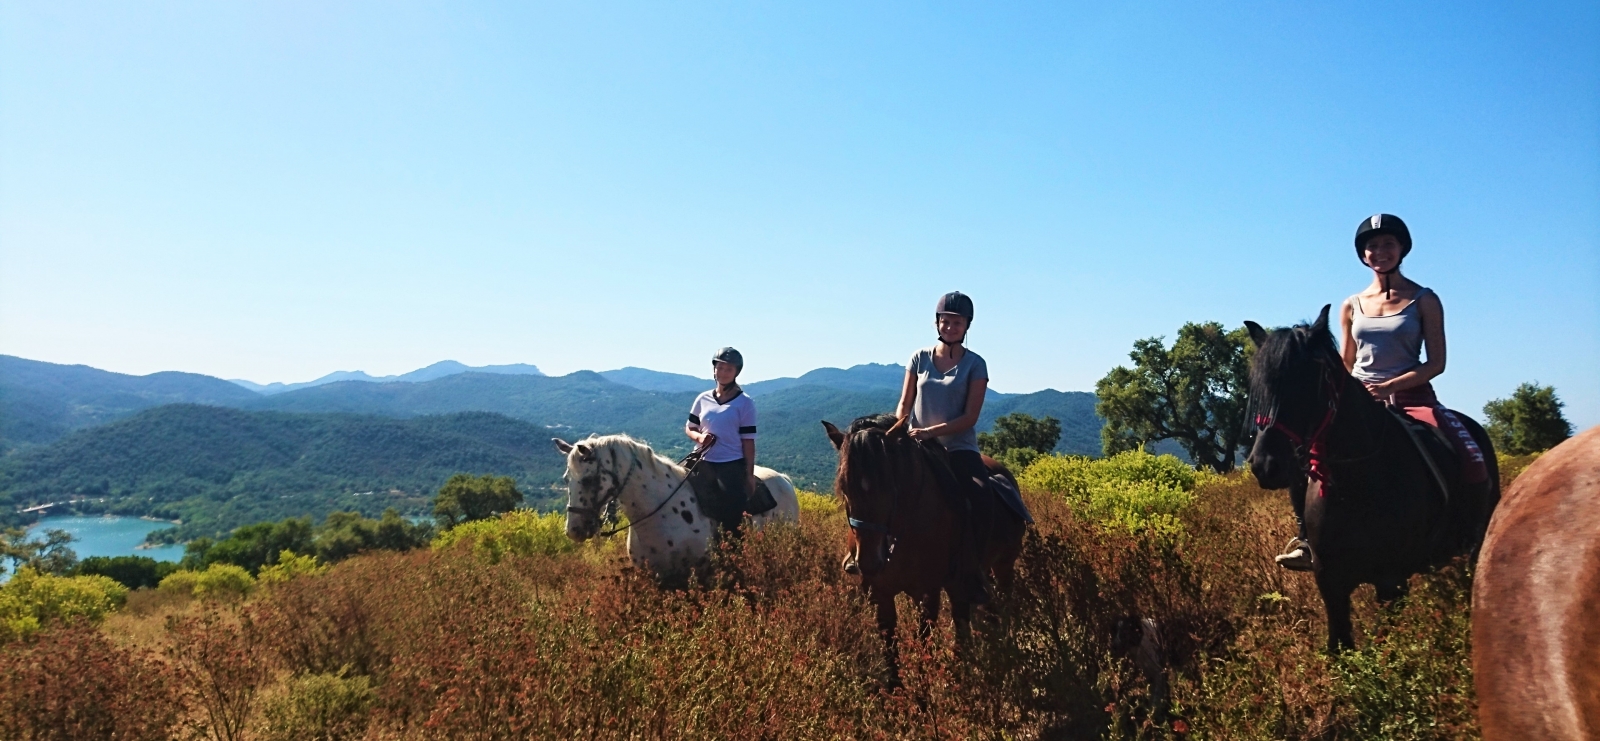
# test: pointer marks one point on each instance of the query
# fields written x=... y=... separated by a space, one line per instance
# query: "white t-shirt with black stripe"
x=730 y=422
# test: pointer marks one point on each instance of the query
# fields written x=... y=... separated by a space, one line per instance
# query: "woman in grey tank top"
x=1388 y=326
x=1388 y=330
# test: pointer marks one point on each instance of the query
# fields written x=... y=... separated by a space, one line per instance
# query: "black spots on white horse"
x=688 y=519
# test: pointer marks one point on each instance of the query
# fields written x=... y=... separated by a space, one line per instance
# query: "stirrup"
x=1296 y=556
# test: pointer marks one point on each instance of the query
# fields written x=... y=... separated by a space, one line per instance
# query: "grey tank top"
x=1386 y=346
x=942 y=397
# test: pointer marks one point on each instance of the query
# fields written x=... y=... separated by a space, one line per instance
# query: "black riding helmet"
x=954 y=302
x=1377 y=224
x=729 y=355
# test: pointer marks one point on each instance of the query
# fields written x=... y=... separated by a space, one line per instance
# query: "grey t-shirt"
x=942 y=397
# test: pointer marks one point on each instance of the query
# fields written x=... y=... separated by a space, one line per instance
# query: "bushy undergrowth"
x=521 y=532
x=73 y=684
x=31 y=600
x=219 y=581
x=1134 y=491
x=512 y=641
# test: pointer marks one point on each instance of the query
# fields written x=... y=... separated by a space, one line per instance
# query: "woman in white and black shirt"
x=725 y=418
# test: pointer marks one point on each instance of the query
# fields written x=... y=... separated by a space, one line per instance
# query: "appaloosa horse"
x=1374 y=509
x=667 y=534
x=906 y=515
x=1536 y=602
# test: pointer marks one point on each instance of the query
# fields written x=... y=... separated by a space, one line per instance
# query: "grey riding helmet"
x=729 y=355
x=954 y=302
x=1377 y=224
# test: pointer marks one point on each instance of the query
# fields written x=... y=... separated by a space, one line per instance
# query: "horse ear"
x=900 y=427
x=834 y=434
x=562 y=445
x=1257 y=334
x=585 y=453
x=1321 y=324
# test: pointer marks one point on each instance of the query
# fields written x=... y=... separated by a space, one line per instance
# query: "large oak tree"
x=1194 y=393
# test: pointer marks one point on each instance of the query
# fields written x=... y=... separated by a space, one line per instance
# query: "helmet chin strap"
x=1388 y=290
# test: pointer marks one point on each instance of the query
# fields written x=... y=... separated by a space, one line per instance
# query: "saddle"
x=709 y=494
x=1442 y=453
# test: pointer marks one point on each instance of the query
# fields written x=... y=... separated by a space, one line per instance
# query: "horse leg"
x=961 y=615
x=1391 y=591
x=887 y=618
x=1336 y=603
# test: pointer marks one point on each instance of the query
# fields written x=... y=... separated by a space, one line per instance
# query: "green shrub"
x=133 y=572
x=819 y=505
x=521 y=532
x=326 y=707
x=31 y=600
x=219 y=581
x=1134 y=490
x=290 y=566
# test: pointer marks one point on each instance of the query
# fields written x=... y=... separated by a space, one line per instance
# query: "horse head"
x=1295 y=379
x=867 y=484
x=592 y=484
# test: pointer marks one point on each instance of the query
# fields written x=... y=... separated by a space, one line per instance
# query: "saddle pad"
x=1002 y=488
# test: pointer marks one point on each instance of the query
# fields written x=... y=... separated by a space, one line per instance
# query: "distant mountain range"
x=59 y=423
x=437 y=370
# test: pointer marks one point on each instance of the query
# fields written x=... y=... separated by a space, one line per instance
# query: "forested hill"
x=308 y=450
x=40 y=402
x=218 y=468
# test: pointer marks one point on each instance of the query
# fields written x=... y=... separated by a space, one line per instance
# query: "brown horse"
x=906 y=513
x=1536 y=602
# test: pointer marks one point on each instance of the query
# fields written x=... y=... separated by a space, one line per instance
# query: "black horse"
x=1374 y=509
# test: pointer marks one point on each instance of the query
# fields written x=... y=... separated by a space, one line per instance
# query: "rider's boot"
x=1296 y=555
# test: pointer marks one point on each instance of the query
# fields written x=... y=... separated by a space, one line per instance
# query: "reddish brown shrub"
x=72 y=684
x=220 y=670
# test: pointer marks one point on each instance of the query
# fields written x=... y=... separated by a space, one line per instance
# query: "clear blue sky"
x=276 y=190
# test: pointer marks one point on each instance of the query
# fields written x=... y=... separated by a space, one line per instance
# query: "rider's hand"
x=919 y=434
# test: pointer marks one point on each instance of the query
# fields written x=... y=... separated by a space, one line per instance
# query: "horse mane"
x=639 y=449
x=868 y=441
x=1286 y=351
x=881 y=421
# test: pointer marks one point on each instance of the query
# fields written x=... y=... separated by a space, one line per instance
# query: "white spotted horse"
x=668 y=536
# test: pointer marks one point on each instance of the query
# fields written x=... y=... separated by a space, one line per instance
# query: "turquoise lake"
x=108 y=536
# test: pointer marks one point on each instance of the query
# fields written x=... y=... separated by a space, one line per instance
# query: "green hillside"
x=218 y=468
x=42 y=402
x=313 y=450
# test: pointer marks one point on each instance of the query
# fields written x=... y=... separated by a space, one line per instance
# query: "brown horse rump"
x=1535 y=604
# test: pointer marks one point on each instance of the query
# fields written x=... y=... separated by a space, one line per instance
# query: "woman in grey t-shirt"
x=943 y=396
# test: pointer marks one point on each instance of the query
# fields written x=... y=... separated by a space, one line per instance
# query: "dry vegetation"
x=446 y=643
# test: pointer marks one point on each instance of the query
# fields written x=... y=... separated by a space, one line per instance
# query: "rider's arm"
x=1347 y=347
x=692 y=427
x=908 y=395
x=750 y=462
x=969 y=418
x=1432 y=341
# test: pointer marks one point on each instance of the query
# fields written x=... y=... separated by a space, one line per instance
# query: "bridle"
x=607 y=504
x=1310 y=450
x=858 y=524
